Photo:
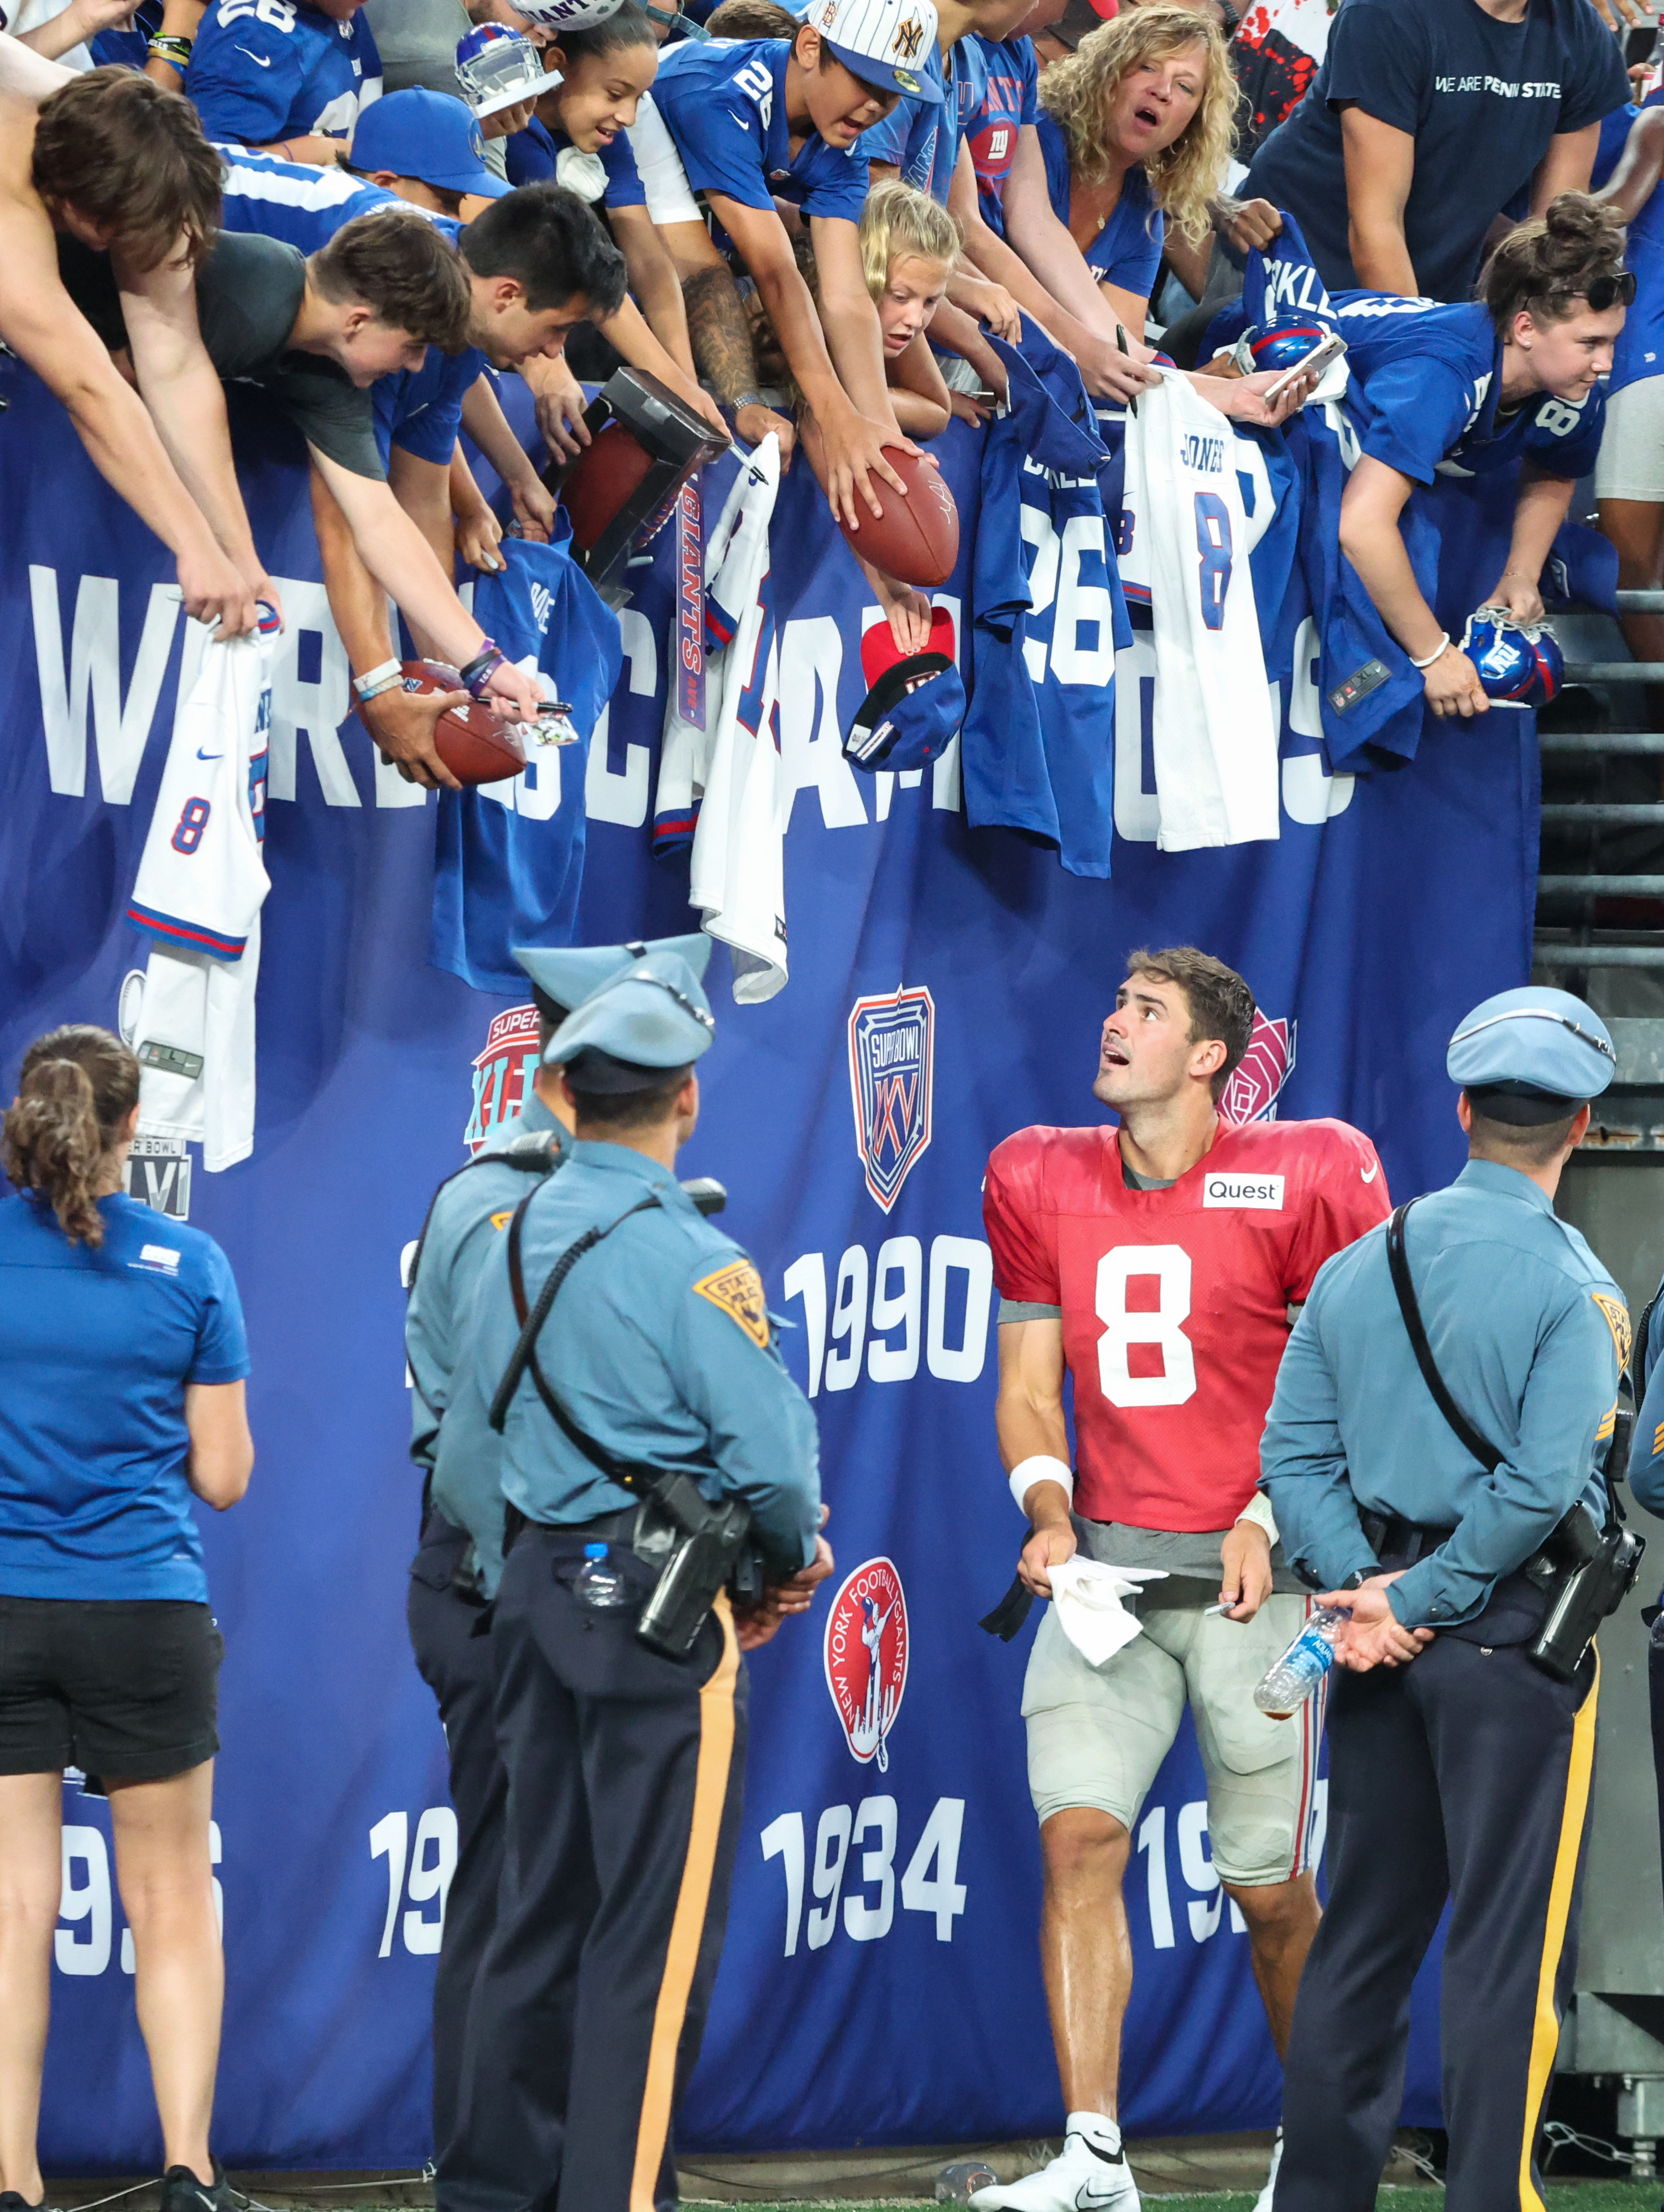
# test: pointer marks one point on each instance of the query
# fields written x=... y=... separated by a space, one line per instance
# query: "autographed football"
x=472 y=742
x=915 y=540
x=604 y=476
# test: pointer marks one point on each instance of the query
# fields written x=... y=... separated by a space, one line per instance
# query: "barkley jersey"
x=1174 y=1301
x=262 y=71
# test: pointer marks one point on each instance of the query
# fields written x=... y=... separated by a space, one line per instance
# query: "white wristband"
x=1258 y=1509
x=1442 y=646
x=1041 y=1466
x=377 y=680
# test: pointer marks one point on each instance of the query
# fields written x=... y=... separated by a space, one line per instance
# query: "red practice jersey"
x=1175 y=1302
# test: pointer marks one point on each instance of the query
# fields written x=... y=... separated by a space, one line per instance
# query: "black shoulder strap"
x=1398 y=1261
x=534 y=1152
x=629 y=1474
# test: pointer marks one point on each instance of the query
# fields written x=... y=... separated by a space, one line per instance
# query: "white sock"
x=1098 y=2128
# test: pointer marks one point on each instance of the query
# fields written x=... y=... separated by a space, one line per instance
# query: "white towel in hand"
x=1088 y=1597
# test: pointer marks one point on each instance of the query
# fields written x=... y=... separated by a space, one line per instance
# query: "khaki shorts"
x=1097 y=1736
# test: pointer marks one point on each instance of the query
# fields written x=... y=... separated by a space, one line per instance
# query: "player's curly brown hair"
x=1221 y=1004
x=1078 y=90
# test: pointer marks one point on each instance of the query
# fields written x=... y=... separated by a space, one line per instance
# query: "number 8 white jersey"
x=1184 y=545
x=1174 y=1303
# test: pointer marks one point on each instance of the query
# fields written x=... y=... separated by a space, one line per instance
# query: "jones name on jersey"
x=1174 y=1301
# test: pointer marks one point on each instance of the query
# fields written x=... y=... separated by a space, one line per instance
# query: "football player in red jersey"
x=1157 y=1265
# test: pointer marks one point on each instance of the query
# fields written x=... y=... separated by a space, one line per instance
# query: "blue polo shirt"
x=280 y=69
x=1127 y=251
x=535 y=153
x=1425 y=383
x=96 y=1348
x=724 y=103
x=1008 y=100
x=304 y=207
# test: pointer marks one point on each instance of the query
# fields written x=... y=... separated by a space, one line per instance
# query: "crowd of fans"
x=809 y=223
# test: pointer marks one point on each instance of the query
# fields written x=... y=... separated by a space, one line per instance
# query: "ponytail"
x=1544 y=267
x=77 y=1086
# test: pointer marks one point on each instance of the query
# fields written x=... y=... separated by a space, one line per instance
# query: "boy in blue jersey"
x=767 y=118
x=286 y=76
x=1466 y=390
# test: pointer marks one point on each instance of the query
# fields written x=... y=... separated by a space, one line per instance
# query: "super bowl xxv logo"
x=503 y=1073
x=1251 y=1093
x=866 y=1651
x=892 y=1039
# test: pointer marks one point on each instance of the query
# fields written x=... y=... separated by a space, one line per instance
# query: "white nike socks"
x=1097 y=2129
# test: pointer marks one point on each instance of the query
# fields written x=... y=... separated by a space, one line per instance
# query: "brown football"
x=915 y=540
x=472 y=742
x=602 y=479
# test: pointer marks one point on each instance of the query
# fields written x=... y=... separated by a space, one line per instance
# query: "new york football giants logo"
x=503 y=1073
x=1264 y=1068
x=866 y=1657
x=892 y=1040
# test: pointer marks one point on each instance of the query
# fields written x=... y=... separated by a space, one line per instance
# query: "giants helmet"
x=1519 y=663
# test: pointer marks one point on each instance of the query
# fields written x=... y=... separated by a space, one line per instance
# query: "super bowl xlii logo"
x=867 y=1657
x=892 y=1044
x=1251 y=1093
x=503 y=1073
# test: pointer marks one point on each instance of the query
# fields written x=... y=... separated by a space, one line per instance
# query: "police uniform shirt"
x=659 y=1348
x=1530 y=1333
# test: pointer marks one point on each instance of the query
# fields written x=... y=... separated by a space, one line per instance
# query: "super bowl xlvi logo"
x=892 y=1046
x=1251 y=1093
x=503 y=1073
x=867 y=1656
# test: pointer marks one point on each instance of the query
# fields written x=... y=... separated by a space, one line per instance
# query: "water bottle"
x=600 y=1588
x=1302 y=1667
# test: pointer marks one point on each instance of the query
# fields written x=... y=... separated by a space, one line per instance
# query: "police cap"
x=1532 y=1056
x=564 y=976
x=649 y=1020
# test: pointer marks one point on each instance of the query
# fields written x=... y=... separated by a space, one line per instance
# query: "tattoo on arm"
x=720 y=335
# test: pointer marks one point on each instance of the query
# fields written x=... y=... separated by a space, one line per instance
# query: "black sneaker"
x=12 y=2200
x=181 y=2191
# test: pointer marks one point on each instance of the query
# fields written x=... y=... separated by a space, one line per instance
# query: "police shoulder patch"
x=1616 y=1315
x=501 y=1220
x=737 y=1290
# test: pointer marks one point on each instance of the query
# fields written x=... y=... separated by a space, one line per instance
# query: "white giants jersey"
x=731 y=768
x=1186 y=542
x=201 y=883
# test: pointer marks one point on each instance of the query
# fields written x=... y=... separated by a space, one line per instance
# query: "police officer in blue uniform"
x=634 y=1347
x=1459 y=1768
x=459 y=1559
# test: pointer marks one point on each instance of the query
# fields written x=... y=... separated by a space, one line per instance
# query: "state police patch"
x=892 y=1042
x=737 y=1290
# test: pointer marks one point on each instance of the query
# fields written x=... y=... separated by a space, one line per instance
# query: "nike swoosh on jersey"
x=201 y=755
x=260 y=61
x=1371 y=1173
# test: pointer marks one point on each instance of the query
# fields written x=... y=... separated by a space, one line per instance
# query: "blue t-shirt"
x=1481 y=99
x=1008 y=100
x=96 y=1347
x=533 y=153
x=1425 y=384
x=920 y=137
x=1639 y=352
x=304 y=207
x=277 y=70
x=420 y=409
x=724 y=104
x=1127 y=251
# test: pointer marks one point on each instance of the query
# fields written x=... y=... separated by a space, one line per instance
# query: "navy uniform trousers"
x=1465 y=1774
x=456 y=1665
x=624 y=1771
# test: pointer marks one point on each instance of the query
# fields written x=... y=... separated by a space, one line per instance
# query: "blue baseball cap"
x=632 y=1032
x=1529 y=1057
x=569 y=973
x=427 y=134
x=910 y=715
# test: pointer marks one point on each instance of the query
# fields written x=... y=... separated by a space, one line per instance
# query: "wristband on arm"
x=1258 y=1509
x=1040 y=1467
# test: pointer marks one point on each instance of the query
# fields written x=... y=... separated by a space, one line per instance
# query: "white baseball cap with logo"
x=887 y=43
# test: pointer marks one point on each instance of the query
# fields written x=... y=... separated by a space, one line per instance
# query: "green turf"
x=1568 y=2196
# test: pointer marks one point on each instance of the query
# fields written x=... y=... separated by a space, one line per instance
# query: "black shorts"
x=128 y=1692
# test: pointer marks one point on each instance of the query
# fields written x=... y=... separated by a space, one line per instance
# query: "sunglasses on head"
x=1604 y=292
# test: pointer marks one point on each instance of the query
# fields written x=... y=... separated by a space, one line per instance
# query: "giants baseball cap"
x=428 y=136
x=885 y=43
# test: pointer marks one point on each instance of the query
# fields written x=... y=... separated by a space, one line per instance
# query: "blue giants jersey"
x=920 y=137
x=1008 y=102
x=420 y=409
x=1038 y=743
x=304 y=207
x=1127 y=251
x=724 y=103
x=510 y=857
x=267 y=69
x=1640 y=349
